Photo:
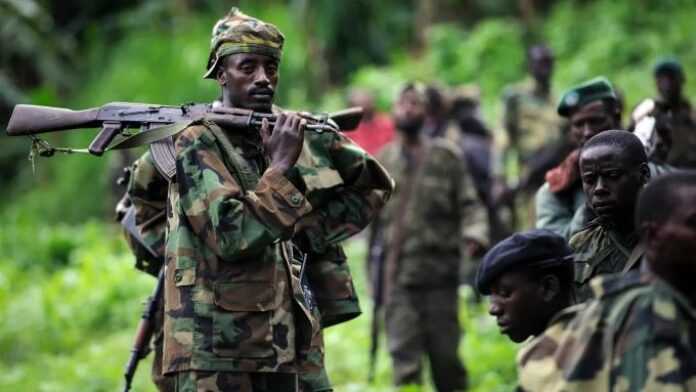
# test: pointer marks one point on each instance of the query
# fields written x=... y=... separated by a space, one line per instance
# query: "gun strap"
x=151 y=136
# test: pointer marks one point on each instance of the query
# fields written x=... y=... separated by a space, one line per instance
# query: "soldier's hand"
x=284 y=144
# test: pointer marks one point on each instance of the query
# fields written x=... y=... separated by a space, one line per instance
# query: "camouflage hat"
x=593 y=90
x=668 y=65
x=240 y=33
x=534 y=248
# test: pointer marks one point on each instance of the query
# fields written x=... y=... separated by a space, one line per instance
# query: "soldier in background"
x=638 y=333
x=672 y=104
x=613 y=170
x=434 y=219
x=534 y=139
x=376 y=129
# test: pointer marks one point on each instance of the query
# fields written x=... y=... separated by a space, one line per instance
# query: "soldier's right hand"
x=284 y=144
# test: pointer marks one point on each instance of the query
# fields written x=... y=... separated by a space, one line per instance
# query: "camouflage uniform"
x=531 y=125
x=232 y=301
x=600 y=250
x=637 y=334
x=426 y=232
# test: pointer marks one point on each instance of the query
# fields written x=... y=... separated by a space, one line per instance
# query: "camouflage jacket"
x=637 y=334
x=232 y=296
x=600 y=250
x=441 y=212
x=531 y=122
x=683 y=122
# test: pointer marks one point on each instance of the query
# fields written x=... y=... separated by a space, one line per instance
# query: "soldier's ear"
x=221 y=77
x=550 y=287
x=645 y=173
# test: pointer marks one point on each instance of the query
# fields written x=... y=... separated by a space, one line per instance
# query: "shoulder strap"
x=246 y=175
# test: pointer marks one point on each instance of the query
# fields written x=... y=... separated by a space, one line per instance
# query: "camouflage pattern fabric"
x=196 y=381
x=241 y=33
x=534 y=118
x=637 y=334
x=681 y=118
x=442 y=212
x=147 y=191
x=599 y=250
x=425 y=322
x=233 y=303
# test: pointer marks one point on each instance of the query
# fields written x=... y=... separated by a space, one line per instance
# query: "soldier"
x=529 y=278
x=639 y=331
x=534 y=139
x=613 y=170
x=669 y=79
x=435 y=201
x=376 y=129
x=591 y=108
x=237 y=313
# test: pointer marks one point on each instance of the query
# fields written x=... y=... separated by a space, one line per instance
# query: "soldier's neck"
x=542 y=89
x=412 y=140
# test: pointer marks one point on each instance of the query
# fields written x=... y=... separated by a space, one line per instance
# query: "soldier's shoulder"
x=589 y=232
x=516 y=90
x=195 y=133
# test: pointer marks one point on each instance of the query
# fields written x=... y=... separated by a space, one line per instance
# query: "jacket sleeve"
x=365 y=186
x=552 y=214
x=473 y=214
x=233 y=224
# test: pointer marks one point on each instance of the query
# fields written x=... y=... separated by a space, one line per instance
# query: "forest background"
x=69 y=297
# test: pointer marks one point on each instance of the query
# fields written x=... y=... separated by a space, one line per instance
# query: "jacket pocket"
x=242 y=319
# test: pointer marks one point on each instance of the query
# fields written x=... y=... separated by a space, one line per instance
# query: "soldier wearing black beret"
x=529 y=278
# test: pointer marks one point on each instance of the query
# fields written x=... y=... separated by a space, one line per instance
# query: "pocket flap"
x=245 y=296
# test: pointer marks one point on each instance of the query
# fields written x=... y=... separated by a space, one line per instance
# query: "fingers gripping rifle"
x=119 y=119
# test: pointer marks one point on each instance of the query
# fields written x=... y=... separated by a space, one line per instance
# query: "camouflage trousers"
x=420 y=323
x=201 y=381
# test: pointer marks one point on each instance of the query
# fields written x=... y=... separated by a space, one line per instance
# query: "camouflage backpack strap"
x=245 y=174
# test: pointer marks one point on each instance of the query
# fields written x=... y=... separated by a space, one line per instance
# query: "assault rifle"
x=121 y=118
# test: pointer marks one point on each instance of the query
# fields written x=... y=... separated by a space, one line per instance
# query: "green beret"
x=668 y=66
x=241 y=33
x=593 y=90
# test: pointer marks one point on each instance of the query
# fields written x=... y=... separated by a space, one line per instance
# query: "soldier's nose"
x=494 y=309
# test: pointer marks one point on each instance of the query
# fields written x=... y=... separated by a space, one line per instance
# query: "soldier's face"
x=611 y=181
x=669 y=85
x=590 y=120
x=518 y=304
x=671 y=245
x=409 y=113
x=541 y=65
x=249 y=80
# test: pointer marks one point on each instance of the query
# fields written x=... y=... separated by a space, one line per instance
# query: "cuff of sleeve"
x=290 y=204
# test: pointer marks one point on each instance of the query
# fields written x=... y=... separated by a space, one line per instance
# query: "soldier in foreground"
x=529 y=278
x=639 y=331
x=613 y=170
x=237 y=314
x=669 y=79
x=434 y=212
x=591 y=108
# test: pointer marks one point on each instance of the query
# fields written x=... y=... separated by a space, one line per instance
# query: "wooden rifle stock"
x=31 y=119
x=144 y=332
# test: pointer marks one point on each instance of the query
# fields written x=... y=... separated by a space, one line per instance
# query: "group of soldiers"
x=247 y=229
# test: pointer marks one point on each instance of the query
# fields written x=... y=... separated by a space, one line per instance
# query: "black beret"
x=580 y=95
x=668 y=66
x=533 y=248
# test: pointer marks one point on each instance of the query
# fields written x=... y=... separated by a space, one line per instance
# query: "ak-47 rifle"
x=144 y=332
x=121 y=118
x=376 y=265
